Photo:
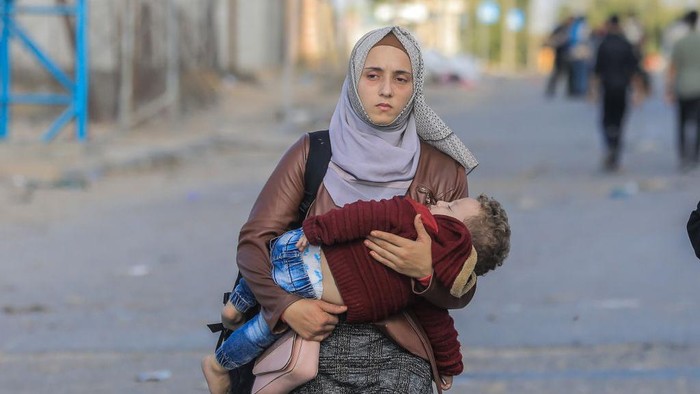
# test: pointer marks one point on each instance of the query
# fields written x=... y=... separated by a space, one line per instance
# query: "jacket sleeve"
x=356 y=220
x=276 y=207
x=441 y=332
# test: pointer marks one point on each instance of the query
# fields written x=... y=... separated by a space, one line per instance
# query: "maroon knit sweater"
x=372 y=291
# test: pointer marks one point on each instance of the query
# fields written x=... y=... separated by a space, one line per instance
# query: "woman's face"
x=386 y=83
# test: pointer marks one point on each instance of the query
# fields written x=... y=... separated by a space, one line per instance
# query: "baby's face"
x=459 y=209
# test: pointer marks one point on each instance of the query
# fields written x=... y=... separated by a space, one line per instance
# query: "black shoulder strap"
x=315 y=170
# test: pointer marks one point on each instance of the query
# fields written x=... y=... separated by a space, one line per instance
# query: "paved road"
x=601 y=278
x=598 y=294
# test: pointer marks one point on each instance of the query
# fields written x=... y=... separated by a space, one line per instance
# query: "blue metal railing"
x=76 y=99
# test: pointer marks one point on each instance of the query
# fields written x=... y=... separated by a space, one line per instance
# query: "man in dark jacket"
x=616 y=65
x=559 y=41
x=694 y=230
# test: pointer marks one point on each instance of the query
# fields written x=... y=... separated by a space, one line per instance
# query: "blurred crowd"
x=608 y=63
x=575 y=44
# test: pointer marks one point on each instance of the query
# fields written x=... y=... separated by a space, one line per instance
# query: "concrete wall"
x=256 y=35
x=245 y=35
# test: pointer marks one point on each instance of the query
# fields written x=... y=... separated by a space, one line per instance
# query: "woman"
x=378 y=136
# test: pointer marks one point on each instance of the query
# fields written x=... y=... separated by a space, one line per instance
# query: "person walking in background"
x=614 y=70
x=678 y=29
x=694 y=230
x=634 y=32
x=559 y=42
x=683 y=88
x=579 y=56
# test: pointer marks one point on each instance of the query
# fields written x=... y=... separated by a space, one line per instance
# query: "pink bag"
x=290 y=362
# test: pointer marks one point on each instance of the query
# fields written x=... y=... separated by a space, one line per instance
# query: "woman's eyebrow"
x=397 y=72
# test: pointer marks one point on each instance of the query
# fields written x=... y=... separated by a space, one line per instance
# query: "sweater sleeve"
x=439 y=327
x=356 y=220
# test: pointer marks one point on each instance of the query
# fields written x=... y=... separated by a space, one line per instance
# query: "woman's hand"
x=445 y=382
x=403 y=255
x=314 y=320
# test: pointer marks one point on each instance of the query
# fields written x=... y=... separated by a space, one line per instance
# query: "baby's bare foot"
x=217 y=377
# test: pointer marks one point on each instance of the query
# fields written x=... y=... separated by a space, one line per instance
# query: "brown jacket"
x=437 y=177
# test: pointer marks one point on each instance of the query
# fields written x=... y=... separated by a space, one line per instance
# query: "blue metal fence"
x=76 y=97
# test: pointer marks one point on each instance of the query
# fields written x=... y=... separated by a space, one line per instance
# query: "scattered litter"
x=22 y=189
x=154 y=376
x=139 y=270
x=656 y=184
x=627 y=190
x=647 y=146
x=19 y=310
x=20 y=181
x=71 y=182
x=193 y=196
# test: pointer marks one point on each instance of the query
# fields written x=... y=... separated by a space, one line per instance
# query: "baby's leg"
x=231 y=318
x=245 y=344
x=217 y=376
x=240 y=301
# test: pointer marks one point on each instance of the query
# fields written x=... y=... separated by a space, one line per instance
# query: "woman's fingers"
x=403 y=255
x=383 y=252
x=389 y=238
x=382 y=260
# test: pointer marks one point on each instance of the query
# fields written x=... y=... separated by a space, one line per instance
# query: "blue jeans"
x=291 y=274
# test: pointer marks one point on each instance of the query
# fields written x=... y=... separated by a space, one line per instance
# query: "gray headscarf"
x=370 y=161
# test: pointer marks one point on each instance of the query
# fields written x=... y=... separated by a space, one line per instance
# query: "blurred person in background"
x=633 y=30
x=386 y=141
x=694 y=230
x=597 y=35
x=615 y=68
x=579 y=55
x=683 y=89
x=678 y=29
x=558 y=40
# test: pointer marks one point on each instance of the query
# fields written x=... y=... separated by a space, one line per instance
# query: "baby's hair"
x=490 y=234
